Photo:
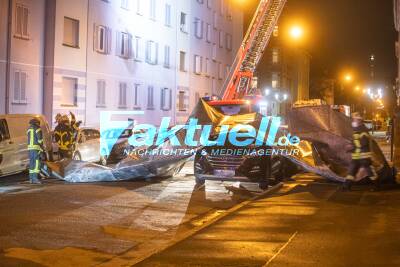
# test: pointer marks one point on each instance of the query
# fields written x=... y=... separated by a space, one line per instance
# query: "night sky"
x=341 y=34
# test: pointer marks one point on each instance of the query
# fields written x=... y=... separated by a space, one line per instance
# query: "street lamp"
x=348 y=78
x=296 y=32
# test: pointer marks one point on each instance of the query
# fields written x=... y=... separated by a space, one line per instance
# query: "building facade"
x=154 y=56
x=285 y=71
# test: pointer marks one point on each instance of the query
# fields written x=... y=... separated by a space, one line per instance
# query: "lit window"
x=183 y=22
x=166 y=99
x=20 y=78
x=150 y=97
x=275 y=80
x=102 y=39
x=122 y=95
x=167 y=56
x=198 y=25
x=69 y=91
x=168 y=15
x=101 y=93
x=181 y=101
x=152 y=52
x=276 y=31
x=275 y=55
x=182 y=61
x=198 y=62
x=71 y=32
x=21 y=21
x=124 y=44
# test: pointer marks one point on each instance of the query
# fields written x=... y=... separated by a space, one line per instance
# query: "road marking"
x=281 y=249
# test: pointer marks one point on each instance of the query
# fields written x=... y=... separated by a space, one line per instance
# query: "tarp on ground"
x=329 y=132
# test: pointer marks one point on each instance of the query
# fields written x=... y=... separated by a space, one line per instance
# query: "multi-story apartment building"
x=88 y=56
x=285 y=69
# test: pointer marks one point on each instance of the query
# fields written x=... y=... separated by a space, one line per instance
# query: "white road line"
x=281 y=249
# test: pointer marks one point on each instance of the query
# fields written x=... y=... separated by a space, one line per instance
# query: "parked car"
x=89 y=146
x=14 y=157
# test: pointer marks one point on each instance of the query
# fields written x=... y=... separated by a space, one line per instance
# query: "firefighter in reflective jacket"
x=63 y=135
x=360 y=153
x=35 y=148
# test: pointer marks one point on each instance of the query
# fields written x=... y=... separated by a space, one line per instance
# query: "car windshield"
x=233 y=109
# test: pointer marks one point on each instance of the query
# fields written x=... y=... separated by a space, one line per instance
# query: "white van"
x=14 y=156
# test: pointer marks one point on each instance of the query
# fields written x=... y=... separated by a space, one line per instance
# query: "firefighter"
x=75 y=129
x=35 y=148
x=63 y=135
x=360 y=153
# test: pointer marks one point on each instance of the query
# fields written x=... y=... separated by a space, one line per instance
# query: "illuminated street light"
x=296 y=32
x=357 y=88
x=348 y=77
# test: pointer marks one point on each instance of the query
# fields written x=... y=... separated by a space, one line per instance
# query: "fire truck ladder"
x=238 y=82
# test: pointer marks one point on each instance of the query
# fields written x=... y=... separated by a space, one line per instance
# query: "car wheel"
x=77 y=156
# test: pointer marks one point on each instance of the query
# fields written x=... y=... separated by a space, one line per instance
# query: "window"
x=222 y=7
x=71 y=32
x=152 y=6
x=181 y=101
x=102 y=39
x=124 y=44
x=150 y=97
x=221 y=39
x=229 y=11
x=200 y=1
x=152 y=52
x=20 y=78
x=215 y=20
x=122 y=95
x=21 y=21
x=229 y=42
x=209 y=33
x=198 y=26
x=208 y=67
x=183 y=22
x=137 y=53
x=168 y=15
x=220 y=71
x=167 y=56
x=136 y=96
x=214 y=52
x=125 y=4
x=227 y=70
x=209 y=4
x=197 y=64
x=101 y=93
x=139 y=7
x=182 y=61
x=276 y=31
x=166 y=99
x=69 y=92
x=275 y=80
x=275 y=55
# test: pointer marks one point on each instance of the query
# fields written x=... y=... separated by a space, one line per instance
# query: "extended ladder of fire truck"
x=239 y=81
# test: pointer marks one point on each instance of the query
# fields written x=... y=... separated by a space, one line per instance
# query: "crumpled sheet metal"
x=330 y=132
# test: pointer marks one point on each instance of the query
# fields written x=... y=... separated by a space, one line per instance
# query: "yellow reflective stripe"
x=31 y=137
x=364 y=155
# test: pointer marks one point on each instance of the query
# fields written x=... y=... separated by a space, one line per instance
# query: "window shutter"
x=17 y=86
x=18 y=19
x=25 y=21
x=95 y=37
x=108 y=40
x=23 y=77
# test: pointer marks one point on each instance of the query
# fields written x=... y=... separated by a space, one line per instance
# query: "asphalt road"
x=308 y=222
x=305 y=224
